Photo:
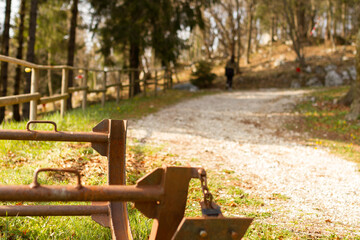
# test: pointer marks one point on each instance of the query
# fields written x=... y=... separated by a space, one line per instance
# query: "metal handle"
x=35 y=183
x=40 y=121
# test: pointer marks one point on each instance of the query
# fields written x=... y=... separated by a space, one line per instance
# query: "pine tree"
x=5 y=51
x=142 y=23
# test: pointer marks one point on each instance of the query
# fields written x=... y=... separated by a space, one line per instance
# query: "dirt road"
x=244 y=131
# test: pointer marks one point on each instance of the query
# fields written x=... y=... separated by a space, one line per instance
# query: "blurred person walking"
x=229 y=72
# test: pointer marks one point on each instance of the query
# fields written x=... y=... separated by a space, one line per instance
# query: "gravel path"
x=243 y=131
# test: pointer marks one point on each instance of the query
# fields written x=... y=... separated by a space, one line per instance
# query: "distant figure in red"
x=229 y=72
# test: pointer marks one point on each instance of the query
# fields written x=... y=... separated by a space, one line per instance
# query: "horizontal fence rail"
x=122 y=80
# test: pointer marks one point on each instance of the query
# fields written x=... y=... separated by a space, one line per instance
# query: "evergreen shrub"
x=202 y=77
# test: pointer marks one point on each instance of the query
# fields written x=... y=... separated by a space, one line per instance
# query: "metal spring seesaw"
x=160 y=195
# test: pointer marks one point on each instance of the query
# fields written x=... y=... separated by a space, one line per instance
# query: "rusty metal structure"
x=160 y=195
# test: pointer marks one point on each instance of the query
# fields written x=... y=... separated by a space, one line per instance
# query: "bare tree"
x=343 y=18
x=239 y=46
x=226 y=16
x=330 y=16
x=30 y=55
x=71 y=46
x=293 y=32
x=250 y=13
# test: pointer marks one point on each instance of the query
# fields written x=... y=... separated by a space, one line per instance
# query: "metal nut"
x=203 y=233
x=201 y=172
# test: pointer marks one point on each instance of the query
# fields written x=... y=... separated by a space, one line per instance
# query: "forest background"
x=146 y=34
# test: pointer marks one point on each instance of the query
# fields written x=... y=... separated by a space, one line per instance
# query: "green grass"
x=324 y=120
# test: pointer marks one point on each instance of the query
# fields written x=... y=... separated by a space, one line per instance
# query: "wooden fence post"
x=64 y=90
x=132 y=83
x=103 y=99
x=144 y=83
x=164 y=81
x=84 y=84
x=170 y=79
x=94 y=80
x=34 y=89
x=156 y=82
x=118 y=81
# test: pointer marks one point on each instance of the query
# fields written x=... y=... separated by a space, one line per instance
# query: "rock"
x=186 y=87
x=314 y=82
x=329 y=50
x=288 y=42
x=308 y=69
x=332 y=78
x=265 y=39
x=330 y=67
x=345 y=75
x=319 y=70
x=295 y=84
x=352 y=71
x=279 y=61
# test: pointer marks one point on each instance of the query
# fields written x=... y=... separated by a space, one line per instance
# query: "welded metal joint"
x=36 y=184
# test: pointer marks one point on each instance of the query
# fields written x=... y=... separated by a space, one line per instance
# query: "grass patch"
x=324 y=120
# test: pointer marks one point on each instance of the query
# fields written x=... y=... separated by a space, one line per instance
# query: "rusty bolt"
x=201 y=172
x=203 y=233
x=234 y=235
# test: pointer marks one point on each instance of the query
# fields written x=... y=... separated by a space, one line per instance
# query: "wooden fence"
x=125 y=80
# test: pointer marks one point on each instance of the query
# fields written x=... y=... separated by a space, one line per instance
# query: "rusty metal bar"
x=86 y=193
x=53 y=210
x=53 y=136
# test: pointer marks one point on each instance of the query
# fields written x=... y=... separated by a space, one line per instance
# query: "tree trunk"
x=312 y=21
x=343 y=19
x=301 y=22
x=238 y=21
x=71 y=47
x=5 y=51
x=19 y=55
x=134 y=65
x=329 y=35
x=272 y=30
x=30 y=55
x=294 y=35
x=355 y=106
x=250 y=20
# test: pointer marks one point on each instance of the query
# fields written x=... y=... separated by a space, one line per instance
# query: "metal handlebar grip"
x=36 y=184
x=40 y=121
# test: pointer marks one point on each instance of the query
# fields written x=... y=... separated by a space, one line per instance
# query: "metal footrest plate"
x=212 y=228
